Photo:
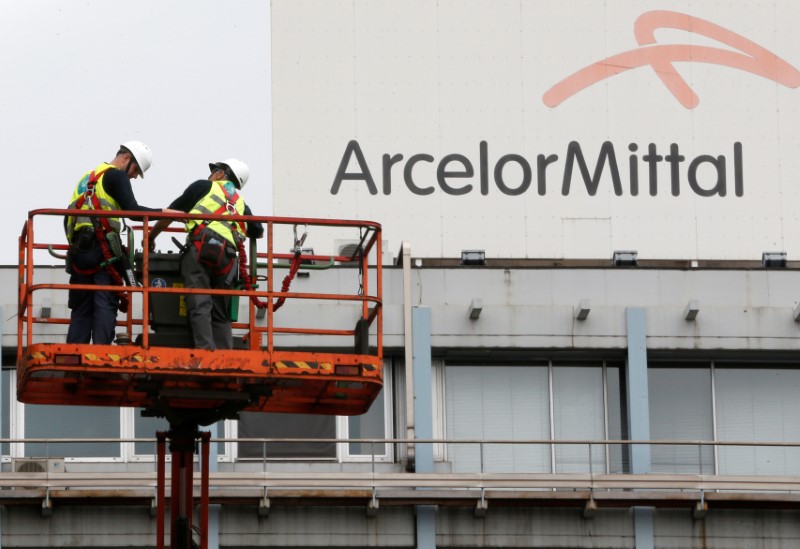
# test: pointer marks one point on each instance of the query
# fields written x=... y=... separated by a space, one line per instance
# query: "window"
x=760 y=405
x=369 y=425
x=498 y=402
x=680 y=408
x=578 y=414
x=147 y=427
x=266 y=425
x=617 y=418
x=514 y=402
x=72 y=422
x=375 y=423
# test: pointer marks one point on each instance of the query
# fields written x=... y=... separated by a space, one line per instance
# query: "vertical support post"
x=423 y=387
x=187 y=508
x=29 y=280
x=426 y=526
x=639 y=417
x=161 y=481
x=364 y=285
x=270 y=302
x=182 y=446
x=213 y=510
x=205 y=437
x=253 y=335
x=423 y=412
x=405 y=251
x=379 y=275
x=643 y=527
x=175 y=496
x=637 y=391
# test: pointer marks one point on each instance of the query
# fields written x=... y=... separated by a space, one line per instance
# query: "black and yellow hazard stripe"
x=304 y=367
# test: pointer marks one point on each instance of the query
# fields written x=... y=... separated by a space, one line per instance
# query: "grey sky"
x=191 y=78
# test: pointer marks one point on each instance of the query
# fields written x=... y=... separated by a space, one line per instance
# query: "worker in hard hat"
x=93 y=256
x=210 y=257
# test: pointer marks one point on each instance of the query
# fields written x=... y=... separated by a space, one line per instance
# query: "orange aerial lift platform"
x=275 y=366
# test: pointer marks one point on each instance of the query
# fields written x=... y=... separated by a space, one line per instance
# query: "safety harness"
x=102 y=227
x=237 y=229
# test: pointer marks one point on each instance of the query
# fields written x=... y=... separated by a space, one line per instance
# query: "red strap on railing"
x=287 y=281
x=245 y=276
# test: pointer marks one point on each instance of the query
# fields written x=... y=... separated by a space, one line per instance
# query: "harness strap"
x=109 y=266
x=101 y=227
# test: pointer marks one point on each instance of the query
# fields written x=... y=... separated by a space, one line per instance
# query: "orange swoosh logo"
x=748 y=57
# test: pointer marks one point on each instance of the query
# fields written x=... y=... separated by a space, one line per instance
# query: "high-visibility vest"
x=83 y=198
x=221 y=199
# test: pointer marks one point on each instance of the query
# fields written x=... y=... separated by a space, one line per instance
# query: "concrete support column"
x=639 y=417
x=426 y=526
x=638 y=399
x=423 y=386
x=213 y=510
x=425 y=515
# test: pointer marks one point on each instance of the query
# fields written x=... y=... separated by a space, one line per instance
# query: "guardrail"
x=364 y=485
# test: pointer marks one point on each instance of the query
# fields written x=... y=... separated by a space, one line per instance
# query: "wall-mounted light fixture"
x=475 y=308
x=770 y=260
x=583 y=309
x=796 y=313
x=692 y=309
x=473 y=257
x=625 y=258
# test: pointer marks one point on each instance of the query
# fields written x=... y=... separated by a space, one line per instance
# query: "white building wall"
x=743 y=312
x=740 y=309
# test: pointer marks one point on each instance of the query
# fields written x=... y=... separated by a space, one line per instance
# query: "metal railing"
x=242 y=482
x=266 y=253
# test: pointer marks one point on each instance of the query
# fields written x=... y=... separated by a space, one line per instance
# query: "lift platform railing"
x=368 y=252
x=299 y=338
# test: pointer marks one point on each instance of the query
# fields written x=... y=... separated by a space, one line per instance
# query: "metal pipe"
x=205 y=437
x=405 y=251
x=174 y=498
x=161 y=476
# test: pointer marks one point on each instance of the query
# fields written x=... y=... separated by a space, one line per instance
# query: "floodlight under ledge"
x=584 y=307
x=771 y=260
x=692 y=310
x=473 y=257
x=475 y=308
x=625 y=258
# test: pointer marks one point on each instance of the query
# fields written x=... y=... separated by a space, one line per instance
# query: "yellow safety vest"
x=80 y=200
x=216 y=202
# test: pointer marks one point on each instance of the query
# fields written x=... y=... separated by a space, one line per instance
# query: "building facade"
x=518 y=374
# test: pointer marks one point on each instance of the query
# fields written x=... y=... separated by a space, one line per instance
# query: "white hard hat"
x=141 y=153
x=236 y=168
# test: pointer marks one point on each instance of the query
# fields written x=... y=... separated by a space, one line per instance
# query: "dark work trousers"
x=94 y=313
x=209 y=316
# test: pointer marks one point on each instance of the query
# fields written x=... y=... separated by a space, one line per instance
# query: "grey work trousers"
x=209 y=315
